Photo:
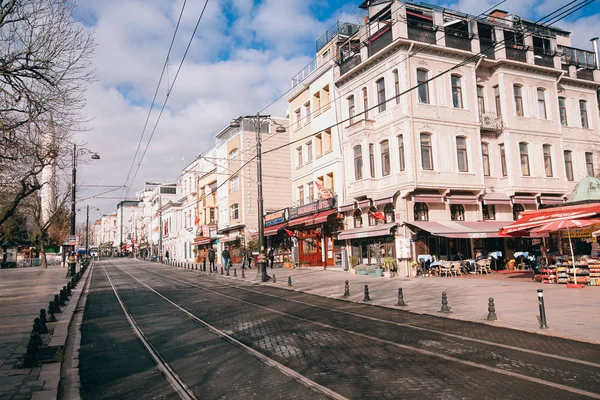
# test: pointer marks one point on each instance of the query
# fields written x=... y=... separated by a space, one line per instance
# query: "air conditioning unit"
x=348 y=29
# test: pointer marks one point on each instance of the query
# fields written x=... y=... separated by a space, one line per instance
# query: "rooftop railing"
x=578 y=57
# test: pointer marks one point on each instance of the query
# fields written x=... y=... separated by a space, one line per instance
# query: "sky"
x=241 y=59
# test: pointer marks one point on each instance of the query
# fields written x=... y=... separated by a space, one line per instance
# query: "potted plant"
x=389 y=266
x=362 y=269
x=353 y=263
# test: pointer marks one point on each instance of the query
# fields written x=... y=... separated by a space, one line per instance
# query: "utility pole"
x=73 y=188
x=87 y=223
x=261 y=270
x=160 y=228
x=121 y=234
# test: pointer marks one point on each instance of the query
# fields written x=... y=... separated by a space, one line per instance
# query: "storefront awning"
x=200 y=240
x=524 y=200
x=321 y=217
x=461 y=230
x=300 y=220
x=532 y=219
x=369 y=231
x=551 y=200
x=231 y=228
x=347 y=207
x=273 y=229
x=428 y=198
x=462 y=199
x=496 y=199
x=228 y=239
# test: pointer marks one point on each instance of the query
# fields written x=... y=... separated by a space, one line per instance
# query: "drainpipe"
x=595 y=45
x=479 y=62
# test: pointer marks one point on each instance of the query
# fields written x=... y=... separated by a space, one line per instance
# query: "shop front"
x=276 y=236
x=371 y=244
x=203 y=244
x=232 y=239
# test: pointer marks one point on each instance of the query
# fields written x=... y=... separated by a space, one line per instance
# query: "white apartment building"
x=439 y=154
x=161 y=196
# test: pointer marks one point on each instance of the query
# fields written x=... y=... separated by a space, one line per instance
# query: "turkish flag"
x=197 y=221
x=378 y=215
x=290 y=233
x=324 y=193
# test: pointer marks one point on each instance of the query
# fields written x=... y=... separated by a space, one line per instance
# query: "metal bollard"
x=67 y=292
x=57 y=302
x=445 y=308
x=346 y=289
x=42 y=318
x=400 y=302
x=37 y=326
x=491 y=310
x=243 y=273
x=289 y=281
x=235 y=272
x=221 y=270
x=366 y=294
x=542 y=318
x=227 y=274
x=274 y=279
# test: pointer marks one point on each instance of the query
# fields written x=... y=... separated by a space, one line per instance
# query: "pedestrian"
x=244 y=258
x=249 y=254
x=167 y=255
x=211 y=260
x=271 y=256
x=226 y=259
x=204 y=262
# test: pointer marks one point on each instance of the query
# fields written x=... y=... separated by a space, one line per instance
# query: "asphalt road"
x=208 y=337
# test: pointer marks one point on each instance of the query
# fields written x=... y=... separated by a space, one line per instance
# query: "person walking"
x=167 y=255
x=211 y=260
x=271 y=256
x=226 y=259
x=244 y=258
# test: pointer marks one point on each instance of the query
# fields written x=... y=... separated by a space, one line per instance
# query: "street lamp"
x=236 y=123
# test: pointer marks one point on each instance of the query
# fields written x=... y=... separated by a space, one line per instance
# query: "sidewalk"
x=23 y=292
x=571 y=313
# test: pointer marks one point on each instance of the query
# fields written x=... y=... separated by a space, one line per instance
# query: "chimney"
x=595 y=44
x=497 y=13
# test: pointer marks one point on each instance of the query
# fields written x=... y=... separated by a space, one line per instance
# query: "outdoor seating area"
x=428 y=266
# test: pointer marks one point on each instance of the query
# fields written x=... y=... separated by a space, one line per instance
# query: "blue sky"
x=243 y=56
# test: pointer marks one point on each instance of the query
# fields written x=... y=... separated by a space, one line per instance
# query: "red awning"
x=273 y=229
x=369 y=231
x=462 y=199
x=228 y=239
x=532 y=219
x=321 y=217
x=551 y=200
x=461 y=230
x=200 y=240
x=428 y=198
x=496 y=199
x=524 y=200
x=300 y=220
x=566 y=224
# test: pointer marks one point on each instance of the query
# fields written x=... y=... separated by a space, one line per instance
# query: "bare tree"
x=45 y=67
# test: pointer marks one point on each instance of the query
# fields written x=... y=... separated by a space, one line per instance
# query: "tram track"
x=216 y=286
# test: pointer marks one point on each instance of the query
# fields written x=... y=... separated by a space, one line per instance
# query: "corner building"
x=449 y=160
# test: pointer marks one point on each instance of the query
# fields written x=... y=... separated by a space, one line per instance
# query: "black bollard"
x=366 y=295
x=62 y=297
x=274 y=279
x=227 y=274
x=221 y=270
x=235 y=272
x=57 y=303
x=445 y=308
x=37 y=326
x=43 y=327
x=243 y=274
x=51 y=310
x=346 y=289
x=289 y=281
x=491 y=310
x=30 y=359
x=542 y=318
x=400 y=302
x=67 y=292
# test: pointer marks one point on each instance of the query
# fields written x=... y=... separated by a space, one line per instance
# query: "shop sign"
x=404 y=248
x=478 y=235
x=578 y=233
x=311 y=208
x=277 y=217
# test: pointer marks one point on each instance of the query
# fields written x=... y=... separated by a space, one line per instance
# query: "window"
x=235 y=211
x=234 y=184
x=457 y=100
x=518 y=100
x=309 y=155
x=547 y=159
x=299 y=158
x=372 y=220
x=497 y=101
x=385 y=158
x=318 y=145
x=327 y=145
x=381 y=94
x=421 y=212
x=372 y=160
x=357 y=219
x=388 y=211
x=524 y=155
x=562 y=110
x=212 y=215
x=461 y=154
x=541 y=100
x=517 y=210
x=301 y=194
x=589 y=163
x=480 y=99
x=401 y=152
x=358 y=163
x=426 y=153
x=325 y=100
x=423 y=86
x=365 y=102
x=329 y=183
x=298 y=118
x=311 y=191
x=351 y=109
x=396 y=86
x=457 y=212
x=316 y=103
x=485 y=157
x=503 y=160
x=568 y=165
x=489 y=212
x=233 y=156
x=583 y=114
x=307 y=112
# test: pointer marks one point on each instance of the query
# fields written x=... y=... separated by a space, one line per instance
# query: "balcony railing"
x=343 y=29
x=577 y=57
x=380 y=39
x=306 y=71
x=421 y=32
x=487 y=47
x=517 y=53
x=587 y=74
x=491 y=122
x=544 y=60
x=349 y=63
x=458 y=39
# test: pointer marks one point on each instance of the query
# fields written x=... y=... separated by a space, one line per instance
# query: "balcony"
x=490 y=122
x=345 y=29
x=579 y=58
x=544 y=57
x=421 y=32
x=379 y=40
x=458 y=39
x=587 y=74
x=517 y=53
x=306 y=71
x=349 y=63
x=487 y=47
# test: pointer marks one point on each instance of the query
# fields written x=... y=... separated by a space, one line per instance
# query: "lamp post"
x=236 y=123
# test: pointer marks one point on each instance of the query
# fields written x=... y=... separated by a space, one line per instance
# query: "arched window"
x=426 y=152
x=541 y=100
x=385 y=157
x=517 y=210
x=457 y=212
x=518 y=95
x=457 y=100
x=562 y=110
x=372 y=220
x=583 y=114
x=423 y=86
x=381 y=94
x=358 y=219
x=358 y=163
x=388 y=211
x=461 y=154
x=421 y=212
x=485 y=157
x=524 y=156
